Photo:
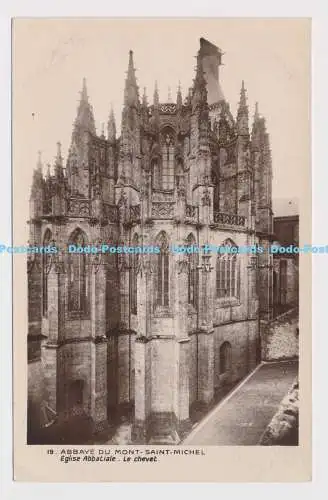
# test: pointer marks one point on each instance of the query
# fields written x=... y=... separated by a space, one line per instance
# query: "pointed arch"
x=192 y=272
x=228 y=271
x=78 y=277
x=163 y=270
x=45 y=264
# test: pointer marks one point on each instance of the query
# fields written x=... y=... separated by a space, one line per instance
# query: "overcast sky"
x=52 y=56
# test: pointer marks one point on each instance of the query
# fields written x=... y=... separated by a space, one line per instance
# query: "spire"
x=37 y=174
x=39 y=162
x=242 y=114
x=256 y=112
x=85 y=119
x=179 y=96
x=111 y=126
x=131 y=97
x=59 y=161
x=156 y=96
x=242 y=102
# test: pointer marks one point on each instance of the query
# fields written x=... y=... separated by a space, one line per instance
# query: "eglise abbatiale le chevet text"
x=152 y=334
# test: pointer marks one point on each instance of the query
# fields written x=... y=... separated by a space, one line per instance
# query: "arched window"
x=192 y=273
x=78 y=280
x=167 y=160
x=156 y=174
x=45 y=264
x=227 y=272
x=134 y=277
x=162 y=298
x=225 y=358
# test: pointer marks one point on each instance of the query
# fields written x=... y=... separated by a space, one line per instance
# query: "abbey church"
x=151 y=336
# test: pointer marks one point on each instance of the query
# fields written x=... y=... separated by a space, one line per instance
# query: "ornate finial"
x=102 y=129
x=242 y=102
x=131 y=89
x=84 y=93
x=256 y=113
x=111 y=126
x=156 y=96
x=179 y=95
x=59 y=155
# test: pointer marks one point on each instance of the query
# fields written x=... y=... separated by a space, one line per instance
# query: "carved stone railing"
x=135 y=213
x=168 y=108
x=78 y=207
x=192 y=213
x=163 y=210
x=110 y=212
x=229 y=219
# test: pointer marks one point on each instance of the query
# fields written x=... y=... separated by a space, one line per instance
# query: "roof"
x=285 y=207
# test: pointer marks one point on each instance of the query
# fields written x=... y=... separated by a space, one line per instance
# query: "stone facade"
x=155 y=334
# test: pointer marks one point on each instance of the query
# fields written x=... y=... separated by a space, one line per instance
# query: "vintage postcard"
x=162 y=249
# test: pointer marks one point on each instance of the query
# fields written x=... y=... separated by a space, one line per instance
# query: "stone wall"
x=35 y=391
x=280 y=337
x=283 y=428
x=242 y=336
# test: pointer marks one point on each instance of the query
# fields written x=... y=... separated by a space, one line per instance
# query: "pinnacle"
x=242 y=102
x=156 y=96
x=39 y=162
x=84 y=93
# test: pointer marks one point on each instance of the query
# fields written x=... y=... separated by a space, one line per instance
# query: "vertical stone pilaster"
x=98 y=299
x=99 y=402
x=205 y=366
x=49 y=355
x=142 y=391
x=56 y=302
x=183 y=354
x=124 y=291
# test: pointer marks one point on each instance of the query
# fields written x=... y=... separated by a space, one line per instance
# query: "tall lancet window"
x=45 y=272
x=134 y=277
x=78 y=279
x=156 y=174
x=167 y=160
x=192 y=273
x=162 y=298
x=179 y=175
x=227 y=272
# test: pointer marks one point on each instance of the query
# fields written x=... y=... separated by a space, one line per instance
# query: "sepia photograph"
x=158 y=171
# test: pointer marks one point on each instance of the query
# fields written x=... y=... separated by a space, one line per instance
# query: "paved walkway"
x=242 y=417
